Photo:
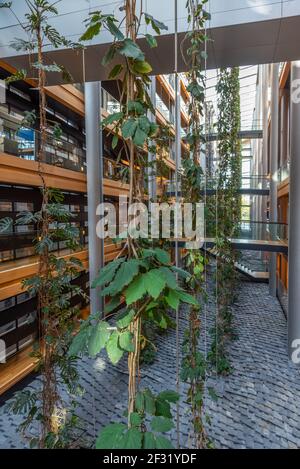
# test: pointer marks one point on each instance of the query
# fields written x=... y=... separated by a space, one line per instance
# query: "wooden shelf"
x=16 y=369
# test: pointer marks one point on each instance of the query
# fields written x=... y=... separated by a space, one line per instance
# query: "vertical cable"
x=177 y=110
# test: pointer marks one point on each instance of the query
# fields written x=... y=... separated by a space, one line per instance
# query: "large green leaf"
x=107 y=273
x=172 y=299
x=149 y=441
x=169 y=395
x=163 y=408
x=135 y=419
x=79 y=342
x=126 y=341
x=115 y=31
x=125 y=274
x=136 y=290
x=129 y=127
x=131 y=50
x=151 y=40
x=99 y=337
x=158 y=26
x=125 y=318
x=154 y=282
x=186 y=298
x=117 y=69
x=110 y=436
x=163 y=442
x=116 y=116
x=132 y=439
x=139 y=137
x=135 y=106
x=162 y=256
x=114 y=352
x=161 y=424
x=169 y=277
x=141 y=67
x=149 y=402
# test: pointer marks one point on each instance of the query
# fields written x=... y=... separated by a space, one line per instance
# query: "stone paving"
x=258 y=404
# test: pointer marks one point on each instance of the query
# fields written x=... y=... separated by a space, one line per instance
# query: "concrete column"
x=294 y=219
x=94 y=159
x=273 y=170
x=152 y=156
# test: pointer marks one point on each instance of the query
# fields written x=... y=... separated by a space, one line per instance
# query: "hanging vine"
x=228 y=203
x=53 y=283
x=145 y=277
x=194 y=362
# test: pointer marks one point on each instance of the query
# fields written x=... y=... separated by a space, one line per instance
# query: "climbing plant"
x=144 y=277
x=228 y=210
x=194 y=362
x=53 y=282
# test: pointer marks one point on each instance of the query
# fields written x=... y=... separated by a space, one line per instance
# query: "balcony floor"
x=258 y=405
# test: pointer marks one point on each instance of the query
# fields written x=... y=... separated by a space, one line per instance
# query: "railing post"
x=94 y=159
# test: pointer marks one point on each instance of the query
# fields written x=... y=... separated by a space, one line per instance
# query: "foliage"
x=148 y=408
x=193 y=370
x=53 y=282
x=228 y=204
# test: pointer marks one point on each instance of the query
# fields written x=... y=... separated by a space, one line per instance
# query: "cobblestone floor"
x=258 y=405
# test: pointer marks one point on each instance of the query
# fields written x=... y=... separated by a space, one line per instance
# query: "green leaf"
x=116 y=116
x=151 y=40
x=135 y=419
x=91 y=32
x=126 y=341
x=161 y=424
x=135 y=106
x=139 y=401
x=187 y=298
x=110 y=436
x=139 y=137
x=5 y=224
x=136 y=290
x=132 y=439
x=115 y=71
x=99 y=337
x=169 y=395
x=131 y=49
x=169 y=277
x=156 y=25
x=162 y=256
x=107 y=273
x=125 y=274
x=149 y=441
x=115 y=141
x=79 y=342
x=149 y=402
x=172 y=299
x=114 y=352
x=163 y=442
x=181 y=273
x=125 y=319
x=114 y=30
x=141 y=67
x=163 y=408
x=154 y=282
x=129 y=127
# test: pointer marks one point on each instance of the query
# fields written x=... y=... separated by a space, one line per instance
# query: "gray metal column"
x=283 y=127
x=265 y=112
x=94 y=159
x=273 y=170
x=294 y=219
x=152 y=156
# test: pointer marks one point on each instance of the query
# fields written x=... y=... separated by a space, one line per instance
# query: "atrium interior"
x=149 y=224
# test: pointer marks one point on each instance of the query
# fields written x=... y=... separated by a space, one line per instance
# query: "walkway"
x=258 y=405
